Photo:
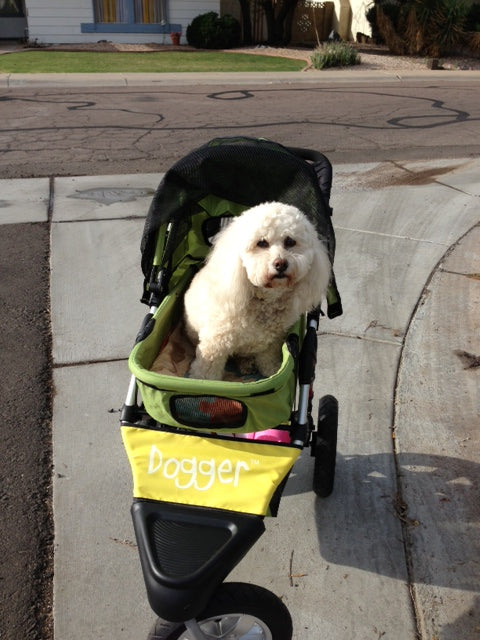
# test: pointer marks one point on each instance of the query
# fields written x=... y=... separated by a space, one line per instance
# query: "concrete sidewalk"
x=394 y=551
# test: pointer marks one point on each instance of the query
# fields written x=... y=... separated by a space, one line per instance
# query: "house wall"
x=183 y=11
x=59 y=21
x=12 y=27
x=349 y=18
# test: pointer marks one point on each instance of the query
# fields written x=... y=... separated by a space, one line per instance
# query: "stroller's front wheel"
x=237 y=611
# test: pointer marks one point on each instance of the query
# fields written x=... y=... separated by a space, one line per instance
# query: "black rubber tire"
x=325 y=446
x=256 y=608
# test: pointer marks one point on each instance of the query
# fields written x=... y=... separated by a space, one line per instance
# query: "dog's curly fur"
x=266 y=269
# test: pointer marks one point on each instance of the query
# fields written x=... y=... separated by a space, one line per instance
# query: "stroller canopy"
x=244 y=171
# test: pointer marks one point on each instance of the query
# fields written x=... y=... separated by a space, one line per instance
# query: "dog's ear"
x=225 y=259
x=312 y=289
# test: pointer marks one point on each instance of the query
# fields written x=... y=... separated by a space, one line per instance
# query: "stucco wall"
x=349 y=18
x=59 y=21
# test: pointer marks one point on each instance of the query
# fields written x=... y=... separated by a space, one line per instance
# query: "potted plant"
x=175 y=37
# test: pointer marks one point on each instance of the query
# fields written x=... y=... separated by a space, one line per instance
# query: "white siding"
x=59 y=21
x=183 y=11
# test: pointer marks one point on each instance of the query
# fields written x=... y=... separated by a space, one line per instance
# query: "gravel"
x=376 y=58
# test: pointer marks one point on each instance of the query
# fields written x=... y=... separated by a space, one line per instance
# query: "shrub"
x=391 y=25
x=390 y=8
x=473 y=42
x=371 y=16
x=472 y=21
x=439 y=25
x=334 y=54
x=422 y=27
x=209 y=31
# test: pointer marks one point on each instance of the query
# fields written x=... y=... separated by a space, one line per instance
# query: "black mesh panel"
x=208 y=411
x=180 y=549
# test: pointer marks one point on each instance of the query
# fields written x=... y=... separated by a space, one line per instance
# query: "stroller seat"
x=175 y=357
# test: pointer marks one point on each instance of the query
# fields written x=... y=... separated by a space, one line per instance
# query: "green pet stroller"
x=210 y=458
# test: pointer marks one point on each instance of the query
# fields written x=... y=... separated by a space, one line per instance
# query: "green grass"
x=158 y=62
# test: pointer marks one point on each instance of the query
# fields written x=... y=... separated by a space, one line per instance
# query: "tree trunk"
x=246 y=21
x=278 y=16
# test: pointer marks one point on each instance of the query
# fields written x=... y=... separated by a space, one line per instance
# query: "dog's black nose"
x=280 y=265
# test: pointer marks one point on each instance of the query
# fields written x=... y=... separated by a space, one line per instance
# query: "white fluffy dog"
x=266 y=269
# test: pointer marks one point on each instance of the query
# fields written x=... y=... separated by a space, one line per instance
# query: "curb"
x=309 y=76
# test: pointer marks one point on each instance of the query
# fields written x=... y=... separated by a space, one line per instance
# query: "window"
x=11 y=9
x=125 y=11
x=109 y=11
x=129 y=16
x=150 y=11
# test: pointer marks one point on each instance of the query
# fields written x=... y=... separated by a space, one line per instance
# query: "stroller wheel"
x=324 y=446
x=237 y=611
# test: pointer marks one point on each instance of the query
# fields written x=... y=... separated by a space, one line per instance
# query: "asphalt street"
x=113 y=125
x=394 y=552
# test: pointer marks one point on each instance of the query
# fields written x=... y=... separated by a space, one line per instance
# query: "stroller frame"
x=187 y=548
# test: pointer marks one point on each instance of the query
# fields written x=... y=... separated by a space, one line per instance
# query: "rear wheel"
x=237 y=611
x=324 y=446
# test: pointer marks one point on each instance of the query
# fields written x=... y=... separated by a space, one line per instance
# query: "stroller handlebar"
x=322 y=167
x=308 y=154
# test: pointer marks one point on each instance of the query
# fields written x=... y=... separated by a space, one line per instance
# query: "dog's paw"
x=268 y=363
x=202 y=369
x=246 y=365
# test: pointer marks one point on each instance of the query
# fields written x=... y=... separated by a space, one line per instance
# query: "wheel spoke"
x=248 y=628
x=235 y=627
x=219 y=628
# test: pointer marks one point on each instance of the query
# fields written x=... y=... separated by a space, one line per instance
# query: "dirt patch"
x=26 y=545
x=392 y=174
x=425 y=176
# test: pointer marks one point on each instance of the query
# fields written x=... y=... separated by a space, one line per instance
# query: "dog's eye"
x=263 y=244
x=289 y=242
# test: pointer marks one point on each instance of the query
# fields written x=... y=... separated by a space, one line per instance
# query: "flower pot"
x=175 y=37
